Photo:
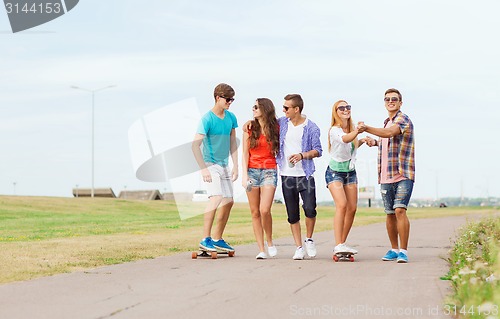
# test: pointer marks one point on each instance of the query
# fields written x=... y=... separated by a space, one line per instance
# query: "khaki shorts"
x=221 y=184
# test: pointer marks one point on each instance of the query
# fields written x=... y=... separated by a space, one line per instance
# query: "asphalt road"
x=243 y=287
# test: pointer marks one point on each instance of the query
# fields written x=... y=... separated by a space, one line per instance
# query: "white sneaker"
x=310 y=247
x=343 y=248
x=299 y=253
x=261 y=255
x=350 y=249
x=272 y=251
x=340 y=248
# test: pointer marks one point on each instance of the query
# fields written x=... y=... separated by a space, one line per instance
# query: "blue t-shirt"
x=217 y=131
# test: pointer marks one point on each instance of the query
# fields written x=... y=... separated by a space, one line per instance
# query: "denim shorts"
x=396 y=195
x=346 y=178
x=263 y=176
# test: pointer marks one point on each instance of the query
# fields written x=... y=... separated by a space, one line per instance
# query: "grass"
x=475 y=271
x=41 y=236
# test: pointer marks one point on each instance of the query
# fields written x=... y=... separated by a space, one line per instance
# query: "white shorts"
x=221 y=184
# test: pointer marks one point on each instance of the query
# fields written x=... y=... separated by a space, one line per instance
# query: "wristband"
x=301 y=156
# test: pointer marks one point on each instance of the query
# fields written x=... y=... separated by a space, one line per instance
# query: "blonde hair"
x=337 y=121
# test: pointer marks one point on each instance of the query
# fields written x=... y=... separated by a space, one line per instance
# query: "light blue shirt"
x=217 y=141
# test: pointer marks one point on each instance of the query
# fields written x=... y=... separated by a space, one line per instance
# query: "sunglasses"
x=391 y=99
x=287 y=107
x=228 y=99
x=255 y=107
x=344 y=107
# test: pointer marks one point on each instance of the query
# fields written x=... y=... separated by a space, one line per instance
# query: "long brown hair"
x=337 y=121
x=269 y=126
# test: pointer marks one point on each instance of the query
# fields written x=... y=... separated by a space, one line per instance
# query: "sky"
x=441 y=55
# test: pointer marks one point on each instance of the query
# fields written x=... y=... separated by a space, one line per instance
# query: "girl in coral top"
x=260 y=146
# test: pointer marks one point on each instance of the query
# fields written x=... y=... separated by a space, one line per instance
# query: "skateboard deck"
x=211 y=254
x=343 y=257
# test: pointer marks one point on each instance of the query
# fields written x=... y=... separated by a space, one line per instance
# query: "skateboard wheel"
x=213 y=254
x=194 y=255
x=230 y=254
x=351 y=259
x=335 y=258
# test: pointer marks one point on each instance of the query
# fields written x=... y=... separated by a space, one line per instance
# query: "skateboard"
x=343 y=257
x=212 y=254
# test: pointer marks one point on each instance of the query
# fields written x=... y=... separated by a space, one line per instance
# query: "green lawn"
x=41 y=236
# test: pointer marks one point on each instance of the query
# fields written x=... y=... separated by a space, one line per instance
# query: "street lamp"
x=93 y=93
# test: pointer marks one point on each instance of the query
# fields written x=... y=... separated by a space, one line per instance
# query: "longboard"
x=343 y=257
x=212 y=254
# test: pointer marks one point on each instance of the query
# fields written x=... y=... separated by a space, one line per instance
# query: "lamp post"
x=93 y=94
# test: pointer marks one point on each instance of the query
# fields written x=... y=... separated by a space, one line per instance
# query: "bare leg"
x=266 y=201
x=339 y=197
x=208 y=220
x=222 y=217
x=403 y=227
x=297 y=237
x=254 y=202
x=392 y=230
x=310 y=222
x=351 y=193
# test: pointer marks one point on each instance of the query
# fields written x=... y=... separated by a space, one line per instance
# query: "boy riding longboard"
x=216 y=133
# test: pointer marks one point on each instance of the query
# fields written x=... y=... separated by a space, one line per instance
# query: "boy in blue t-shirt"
x=216 y=133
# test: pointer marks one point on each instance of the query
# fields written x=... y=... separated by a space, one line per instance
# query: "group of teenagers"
x=291 y=143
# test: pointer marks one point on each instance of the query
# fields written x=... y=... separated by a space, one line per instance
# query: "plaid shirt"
x=401 y=152
x=310 y=141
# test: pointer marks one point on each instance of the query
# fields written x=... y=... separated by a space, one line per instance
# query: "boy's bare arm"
x=195 y=146
x=386 y=132
x=234 y=153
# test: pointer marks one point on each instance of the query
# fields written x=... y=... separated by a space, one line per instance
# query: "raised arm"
x=247 y=126
x=386 y=132
x=349 y=137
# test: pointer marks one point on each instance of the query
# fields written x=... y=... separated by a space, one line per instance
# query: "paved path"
x=243 y=287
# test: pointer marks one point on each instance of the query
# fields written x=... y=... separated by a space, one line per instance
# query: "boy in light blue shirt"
x=216 y=133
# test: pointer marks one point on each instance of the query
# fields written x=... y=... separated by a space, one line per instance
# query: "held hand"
x=207 y=177
x=370 y=141
x=361 y=127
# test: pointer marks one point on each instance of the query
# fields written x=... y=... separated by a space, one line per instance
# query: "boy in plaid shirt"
x=396 y=171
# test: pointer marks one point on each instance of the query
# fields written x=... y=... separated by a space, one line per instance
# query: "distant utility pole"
x=93 y=98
